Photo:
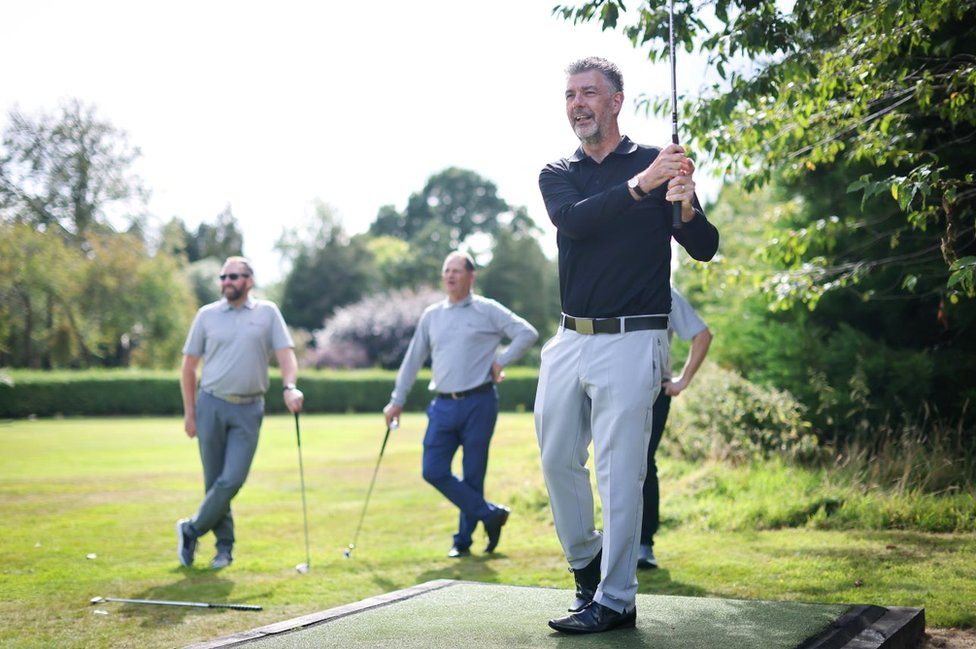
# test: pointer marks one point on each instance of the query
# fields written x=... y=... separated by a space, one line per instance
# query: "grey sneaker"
x=645 y=557
x=186 y=544
x=221 y=561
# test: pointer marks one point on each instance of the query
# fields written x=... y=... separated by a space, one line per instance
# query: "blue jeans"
x=467 y=423
x=652 y=494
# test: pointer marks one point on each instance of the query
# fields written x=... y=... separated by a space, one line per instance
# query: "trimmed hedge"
x=128 y=392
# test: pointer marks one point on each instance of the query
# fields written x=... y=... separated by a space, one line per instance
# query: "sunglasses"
x=233 y=276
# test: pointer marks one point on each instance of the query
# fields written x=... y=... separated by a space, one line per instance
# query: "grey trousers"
x=599 y=388
x=228 y=437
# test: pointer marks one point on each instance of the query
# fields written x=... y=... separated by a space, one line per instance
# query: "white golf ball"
x=302 y=568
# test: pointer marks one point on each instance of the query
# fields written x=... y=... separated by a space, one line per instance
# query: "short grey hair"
x=608 y=69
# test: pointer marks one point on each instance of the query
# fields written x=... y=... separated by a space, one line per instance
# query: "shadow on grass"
x=473 y=568
x=195 y=586
x=659 y=582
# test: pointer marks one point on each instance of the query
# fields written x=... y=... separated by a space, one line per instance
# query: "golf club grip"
x=675 y=207
x=238 y=607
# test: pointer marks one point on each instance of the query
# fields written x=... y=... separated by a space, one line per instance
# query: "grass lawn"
x=115 y=486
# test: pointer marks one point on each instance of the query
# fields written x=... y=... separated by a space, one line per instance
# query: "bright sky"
x=270 y=106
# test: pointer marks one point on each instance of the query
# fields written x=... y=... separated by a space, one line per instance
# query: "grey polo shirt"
x=462 y=339
x=236 y=345
x=684 y=322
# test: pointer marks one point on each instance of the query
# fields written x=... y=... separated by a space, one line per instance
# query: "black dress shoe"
x=456 y=553
x=493 y=527
x=587 y=581
x=595 y=618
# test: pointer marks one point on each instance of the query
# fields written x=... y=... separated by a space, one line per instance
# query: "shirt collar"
x=626 y=147
x=465 y=302
x=226 y=306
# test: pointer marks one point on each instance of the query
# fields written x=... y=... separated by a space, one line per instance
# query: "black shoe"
x=456 y=553
x=493 y=527
x=645 y=558
x=587 y=581
x=595 y=618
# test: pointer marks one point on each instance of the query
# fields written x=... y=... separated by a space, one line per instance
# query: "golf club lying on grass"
x=352 y=546
x=302 y=567
x=162 y=602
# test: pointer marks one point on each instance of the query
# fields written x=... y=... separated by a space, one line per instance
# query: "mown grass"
x=115 y=486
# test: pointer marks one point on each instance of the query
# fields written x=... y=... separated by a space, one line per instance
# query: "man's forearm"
x=288 y=365
x=696 y=355
x=188 y=389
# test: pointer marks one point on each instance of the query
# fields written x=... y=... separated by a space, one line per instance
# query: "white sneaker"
x=645 y=557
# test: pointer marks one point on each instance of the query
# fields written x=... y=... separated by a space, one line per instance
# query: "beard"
x=589 y=132
x=232 y=293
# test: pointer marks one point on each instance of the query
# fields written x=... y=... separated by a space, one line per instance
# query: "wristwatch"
x=634 y=184
x=290 y=386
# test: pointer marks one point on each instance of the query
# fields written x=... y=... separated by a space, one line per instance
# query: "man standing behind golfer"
x=685 y=322
x=601 y=371
x=462 y=334
x=235 y=337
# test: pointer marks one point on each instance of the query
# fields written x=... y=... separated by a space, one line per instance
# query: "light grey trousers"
x=599 y=388
x=228 y=437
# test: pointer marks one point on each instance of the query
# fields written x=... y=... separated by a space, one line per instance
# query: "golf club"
x=161 y=602
x=352 y=546
x=302 y=567
x=675 y=207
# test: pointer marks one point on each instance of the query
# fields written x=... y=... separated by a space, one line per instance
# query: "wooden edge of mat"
x=324 y=616
x=872 y=627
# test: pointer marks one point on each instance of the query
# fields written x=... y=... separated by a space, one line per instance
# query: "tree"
x=70 y=172
x=520 y=277
x=458 y=199
x=110 y=305
x=859 y=116
x=219 y=241
x=884 y=88
x=329 y=269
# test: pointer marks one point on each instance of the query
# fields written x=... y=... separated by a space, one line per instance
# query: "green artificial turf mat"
x=488 y=615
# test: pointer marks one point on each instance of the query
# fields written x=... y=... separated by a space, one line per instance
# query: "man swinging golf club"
x=235 y=337
x=462 y=334
x=601 y=371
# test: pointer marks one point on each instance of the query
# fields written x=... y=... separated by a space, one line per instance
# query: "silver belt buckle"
x=584 y=326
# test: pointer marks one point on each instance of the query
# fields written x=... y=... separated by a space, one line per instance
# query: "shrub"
x=374 y=331
x=128 y=392
x=725 y=417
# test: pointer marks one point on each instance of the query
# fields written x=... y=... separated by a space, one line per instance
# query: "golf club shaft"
x=162 y=602
x=676 y=206
x=301 y=473
x=369 y=492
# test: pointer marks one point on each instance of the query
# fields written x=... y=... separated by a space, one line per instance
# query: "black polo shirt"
x=615 y=252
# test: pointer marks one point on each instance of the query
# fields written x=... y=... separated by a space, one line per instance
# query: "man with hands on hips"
x=461 y=335
x=685 y=322
x=235 y=337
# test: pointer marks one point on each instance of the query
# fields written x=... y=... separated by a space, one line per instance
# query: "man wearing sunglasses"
x=236 y=338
